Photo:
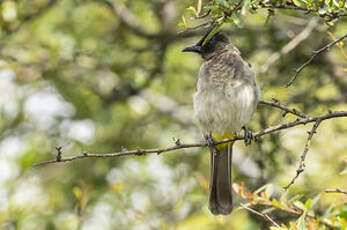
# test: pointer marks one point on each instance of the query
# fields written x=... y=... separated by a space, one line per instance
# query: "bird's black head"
x=217 y=41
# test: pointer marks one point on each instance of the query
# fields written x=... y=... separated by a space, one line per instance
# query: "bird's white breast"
x=225 y=109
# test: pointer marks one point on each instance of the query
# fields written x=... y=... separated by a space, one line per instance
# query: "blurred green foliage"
x=99 y=76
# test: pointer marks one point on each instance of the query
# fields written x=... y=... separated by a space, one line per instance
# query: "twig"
x=260 y=214
x=336 y=191
x=315 y=53
x=127 y=18
x=276 y=103
x=303 y=35
x=203 y=15
x=299 y=121
x=331 y=35
x=304 y=153
x=205 y=24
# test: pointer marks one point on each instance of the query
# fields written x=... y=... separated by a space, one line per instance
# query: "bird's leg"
x=211 y=143
x=248 y=135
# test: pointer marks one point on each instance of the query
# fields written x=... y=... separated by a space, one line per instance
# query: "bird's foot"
x=211 y=143
x=248 y=136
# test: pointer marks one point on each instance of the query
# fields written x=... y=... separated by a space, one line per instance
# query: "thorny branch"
x=336 y=191
x=304 y=153
x=276 y=103
x=315 y=53
x=260 y=214
x=299 y=121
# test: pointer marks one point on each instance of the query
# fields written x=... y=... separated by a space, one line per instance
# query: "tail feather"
x=220 y=198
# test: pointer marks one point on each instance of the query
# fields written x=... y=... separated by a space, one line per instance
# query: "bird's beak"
x=192 y=48
x=198 y=46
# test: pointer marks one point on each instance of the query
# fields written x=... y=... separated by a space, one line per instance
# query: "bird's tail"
x=220 y=198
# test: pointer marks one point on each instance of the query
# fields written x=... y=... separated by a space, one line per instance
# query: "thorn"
x=177 y=141
x=275 y=100
x=59 y=150
x=138 y=152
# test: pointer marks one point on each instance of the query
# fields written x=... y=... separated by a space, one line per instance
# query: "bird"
x=224 y=102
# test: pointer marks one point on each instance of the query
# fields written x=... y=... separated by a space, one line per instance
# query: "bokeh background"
x=100 y=76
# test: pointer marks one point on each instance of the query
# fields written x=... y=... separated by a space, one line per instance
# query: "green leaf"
x=191 y=9
x=343 y=212
x=268 y=210
x=237 y=20
x=344 y=172
x=299 y=205
x=315 y=200
x=269 y=190
x=262 y=188
x=300 y=3
x=294 y=198
x=308 y=204
x=276 y=203
x=223 y=3
x=270 y=14
x=245 y=7
x=212 y=33
x=301 y=222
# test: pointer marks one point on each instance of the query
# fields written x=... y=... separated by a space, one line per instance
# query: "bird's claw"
x=248 y=136
x=211 y=143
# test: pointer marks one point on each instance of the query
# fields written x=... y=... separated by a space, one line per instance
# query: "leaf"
x=301 y=222
x=293 y=225
x=270 y=14
x=308 y=204
x=268 y=210
x=262 y=188
x=344 y=172
x=245 y=7
x=269 y=190
x=315 y=200
x=300 y=3
x=237 y=20
x=294 y=198
x=212 y=33
x=191 y=9
x=77 y=192
x=184 y=21
x=223 y=3
x=329 y=210
x=276 y=203
x=299 y=205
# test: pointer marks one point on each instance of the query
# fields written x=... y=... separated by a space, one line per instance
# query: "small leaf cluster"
x=233 y=11
x=308 y=216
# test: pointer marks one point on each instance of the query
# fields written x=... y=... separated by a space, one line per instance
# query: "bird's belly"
x=219 y=111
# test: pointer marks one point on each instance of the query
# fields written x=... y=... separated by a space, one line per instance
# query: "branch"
x=276 y=103
x=331 y=16
x=336 y=191
x=299 y=121
x=260 y=214
x=300 y=37
x=127 y=18
x=315 y=53
x=304 y=153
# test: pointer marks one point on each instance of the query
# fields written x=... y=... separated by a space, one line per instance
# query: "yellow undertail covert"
x=222 y=137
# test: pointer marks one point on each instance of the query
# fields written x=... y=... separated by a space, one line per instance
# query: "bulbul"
x=225 y=100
